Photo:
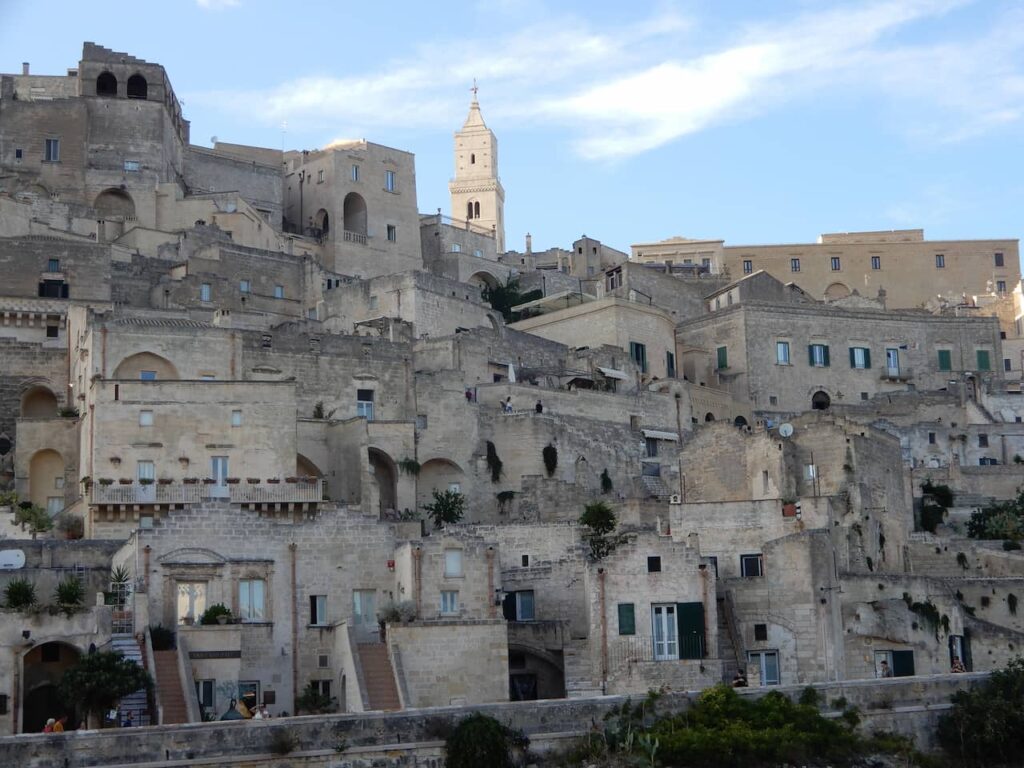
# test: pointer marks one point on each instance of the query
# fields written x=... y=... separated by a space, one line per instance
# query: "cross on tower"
x=474 y=89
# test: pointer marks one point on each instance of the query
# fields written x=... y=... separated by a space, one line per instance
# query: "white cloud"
x=623 y=91
x=218 y=5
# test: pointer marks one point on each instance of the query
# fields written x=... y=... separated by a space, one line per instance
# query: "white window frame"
x=145 y=418
x=782 y=353
x=449 y=602
x=319 y=611
x=278 y=291
x=51 y=150
x=392 y=232
x=205 y=292
x=132 y=166
x=453 y=563
x=252 y=600
x=818 y=353
x=355 y=172
x=860 y=358
x=364 y=408
x=245 y=286
x=752 y=557
x=236 y=418
x=389 y=181
x=760 y=658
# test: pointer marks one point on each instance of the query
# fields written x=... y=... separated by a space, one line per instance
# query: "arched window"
x=137 y=87
x=472 y=159
x=820 y=401
x=106 y=85
x=476 y=210
x=469 y=210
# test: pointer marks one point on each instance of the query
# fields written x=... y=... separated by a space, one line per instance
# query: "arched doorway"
x=354 y=214
x=322 y=221
x=709 y=416
x=145 y=366
x=437 y=475
x=820 y=401
x=739 y=421
x=106 y=85
x=38 y=402
x=384 y=475
x=46 y=480
x=43 y=668
x=837 y=291
x=534 y=674
x=484 y=280
x=137 y=87
x=114 y=202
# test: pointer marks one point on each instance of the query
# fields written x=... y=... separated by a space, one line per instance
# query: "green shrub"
x=550 y=456
x=210 y=614
x=8 y=499
x=942 y=494
x=986 y=724
x=599 y=535
x=19 y=594
x=477 y=741
x=932 y=515
x=69 y=592
x=161 y=637
x=448 y=506
x=282 y=741
x=606 y=481
x=72 y=526
x=409 y=466
x=494 y=463
x=313 y=702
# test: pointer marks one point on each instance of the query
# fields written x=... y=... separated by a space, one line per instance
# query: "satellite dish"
x=786 y=429
x=11 y=559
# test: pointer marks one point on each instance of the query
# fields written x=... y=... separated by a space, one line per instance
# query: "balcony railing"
x=238 y=493
x=154 y=493
x=636 y=648
x=276 y=493
x=897 y=374
x=354 y=237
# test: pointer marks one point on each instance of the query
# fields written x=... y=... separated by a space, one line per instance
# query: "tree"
x=314 y=701
x=98 y=680
x=599 y=522
x=986 y=723
x=504 y=297
x=999 y=520
x=480 y=740
x=448 y=507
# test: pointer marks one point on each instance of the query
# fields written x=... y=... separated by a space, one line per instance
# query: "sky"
x=750 y=122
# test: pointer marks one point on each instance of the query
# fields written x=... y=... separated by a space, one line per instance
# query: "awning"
x=657 y=435
x=613 y=373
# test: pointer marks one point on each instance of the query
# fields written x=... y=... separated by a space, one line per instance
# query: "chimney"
x=24 y=67
x=529 y=243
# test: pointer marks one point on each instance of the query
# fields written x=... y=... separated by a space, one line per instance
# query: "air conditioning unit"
x=675 y=498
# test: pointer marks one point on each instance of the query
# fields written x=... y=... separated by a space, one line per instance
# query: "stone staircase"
x=168 y=680
x=378 y=676
x=726 y=647
x=654 y=487
x=579 y=682
x=137 y=703
x=972 y=500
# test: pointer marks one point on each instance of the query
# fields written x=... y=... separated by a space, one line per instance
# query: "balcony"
x=175 y=494
x=897 y=374
x=153 y=493
x=302 y=492
x=354 y=237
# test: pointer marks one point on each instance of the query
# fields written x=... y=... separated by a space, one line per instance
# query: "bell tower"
x=477 y=196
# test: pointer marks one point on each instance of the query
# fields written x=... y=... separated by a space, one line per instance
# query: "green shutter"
x=945 y=360
x=690 y=617
x=902 y=663
x=825 y=347
x=853 y=357
x=984 y=364
x=723 y=357
x=627 y=619
x=810 y=355
x=867 y=357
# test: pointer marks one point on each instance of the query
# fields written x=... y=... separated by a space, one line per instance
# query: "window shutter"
x=690 y=618
x=627 y=619
x=853 y=357
x=867 y=357
x=810 y=354
x=824 y=348
x=902 y=663
x=945 y=360
x=983 y=360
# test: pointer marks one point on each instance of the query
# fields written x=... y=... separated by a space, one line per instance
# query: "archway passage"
x=385 y=477
x=837 y=291
x=709 y=416
x=145 y=366
x=38 y=402
x=739 y=421
x=484 y=280
x=322 y=221
x=354 y=214
x=114 y=202
x=820 y=401
x=137 y=87
x=43 y=668
x=46 y=480
x=437 y=475
x=534 y=674
x=106 y=85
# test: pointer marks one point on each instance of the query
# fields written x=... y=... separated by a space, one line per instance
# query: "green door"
x=691 y=630
x=902 y=663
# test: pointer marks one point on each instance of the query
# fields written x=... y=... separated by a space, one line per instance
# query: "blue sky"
x=749 y=121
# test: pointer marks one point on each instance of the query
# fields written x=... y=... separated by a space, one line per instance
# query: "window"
x=931 y=438
x=748 y=266
x=940 y=261
x=782 y=352
x=767 y=664
x=651 y=447
x=453 y=563
x=191 y=600
x=999 y=259
x=1000 y=286
x=860 y=357
x=131 y=166
x=392 y=233
x=18 y=154
x=751 y=566
x=894 y=663
x=205 y=694
x=945 y=359
x=51 y=152
x=456 y=248
x=145 y=418
x=723 y=358
x=320 y=176
x=761 y=632
x=53 y=331
x=478 y=253
x=519 y=606
x=318 y=610
x=638 y=352
x=654 y=564
x=389 y=181
x=355 y=173
x=794 y=265
x=773 y=400
x=236 y=418
x=364 y=403
x=450 y=601
x=278 y=291
x=627 y=619
x=251 y=596
x=322 y=687
x=984 y=361
x=863 y=395
x=817 y=355
x=204 y=292
x=525 y=561
x=876 y=262
x=147 y=375
x=53 y=265
x=245 y=286
x=1007 y=362
x=983 y=441
x=836 y=266
x=670 y=365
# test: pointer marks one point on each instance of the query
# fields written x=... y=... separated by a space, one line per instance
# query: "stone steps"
x=137 y=703
x=169 y=682
x=726 y=648
x=378 y=676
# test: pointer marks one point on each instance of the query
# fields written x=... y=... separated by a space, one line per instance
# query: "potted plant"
x=106 y=481
x=788 y=506
x=252 y=480
x=273 y=480
x=165 y=481
x=86 y=482
x=190 y=480
x=231 y=480
x=308 y=479
x=209 y=481
x=126 y=481
x=218 y=613
x=291 y=479
x=146 y=481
